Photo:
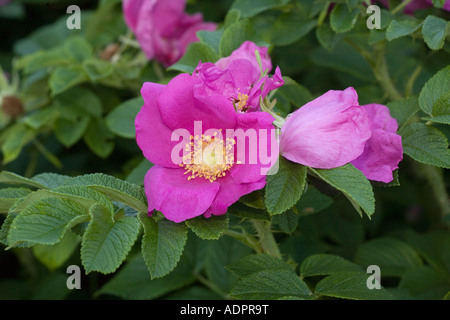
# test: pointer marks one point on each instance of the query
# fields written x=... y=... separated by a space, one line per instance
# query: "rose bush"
x=225 y=149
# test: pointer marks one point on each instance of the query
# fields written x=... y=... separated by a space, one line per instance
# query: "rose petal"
x=230 y=191
x=383 y=151
x=177 y=198
x=327 y=132
x=152 y=136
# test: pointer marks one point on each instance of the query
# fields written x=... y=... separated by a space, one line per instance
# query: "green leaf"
x=270 y=284
x=209 y=228
x=350 y=285
x=78 y=48
x=42 y=117
x=434 y=247
x=17 y=137
x=51 y=180
x=54 y=256
x=424 y=283
x=11 y=178
x=8 y=196
x=434 y=98
x=352 y=183
x=106 y=242
x=283 y=28
x=44 y=59
x=99 y=138
x=284 y=189
x=82 y=195
x=133 y=281
x=221 y=253
x=69 y=132
x=97 y=69
x=438 y=3
x=402 y=110
x=342 y=19
x=426 y=144
x=312 y=201
x=211 y=38
x=121 y=119
x=195 y=53
x=128 y=193
x=287 y=221
x=65 y=77
x=255 y=263
x=162 y=244
x=250 y=8
x=294 y=92
x=243 y=211
x=434 y=30
x=46 y=221
x=137 y=175
x=234 y=36
x=326 y=264
x=402 y=28
x=392 y=256
x=327 y=37
x=78 y=102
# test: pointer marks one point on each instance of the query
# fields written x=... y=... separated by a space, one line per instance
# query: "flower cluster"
x=417 y=5
x=162 y=28
x=201 y=169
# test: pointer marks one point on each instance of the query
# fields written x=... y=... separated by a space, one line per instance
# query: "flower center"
x=209 y=157
x=242 y=100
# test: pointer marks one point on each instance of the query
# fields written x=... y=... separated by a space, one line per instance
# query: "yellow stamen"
x=209 y=157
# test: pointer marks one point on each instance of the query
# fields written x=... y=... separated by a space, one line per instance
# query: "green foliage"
x=72 y=176
x=285 y=187
x=162 y=245
x=353 y=184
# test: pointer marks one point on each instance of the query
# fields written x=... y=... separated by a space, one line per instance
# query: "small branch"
x=266 y=238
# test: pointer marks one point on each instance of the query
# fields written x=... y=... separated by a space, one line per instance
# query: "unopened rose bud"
x=12 y=106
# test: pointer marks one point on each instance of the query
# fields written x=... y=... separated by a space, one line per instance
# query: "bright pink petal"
x=383 y=151
x=230 y=191
x=256 y=154
x=327 y=132
x=180 y=108
x=131 y=9
x=178 y=199
x=247 y=51
x=152 y=135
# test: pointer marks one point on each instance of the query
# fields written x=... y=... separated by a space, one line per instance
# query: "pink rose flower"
x=190 y=188
x=238 y=77
x=417 y=5
x=326 y=133
x=383 y=151
x=162 y=28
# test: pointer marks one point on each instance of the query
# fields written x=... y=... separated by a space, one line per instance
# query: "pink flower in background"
x=186 y=190
x=417 y=5
x=162 y=28
x=239 y=77
x=327 y=132
x=383 y=151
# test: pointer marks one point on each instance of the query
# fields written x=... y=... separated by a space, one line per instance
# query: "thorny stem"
x=381 y=72
x=266 y=238
x=412 y=79
x=246 y=239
